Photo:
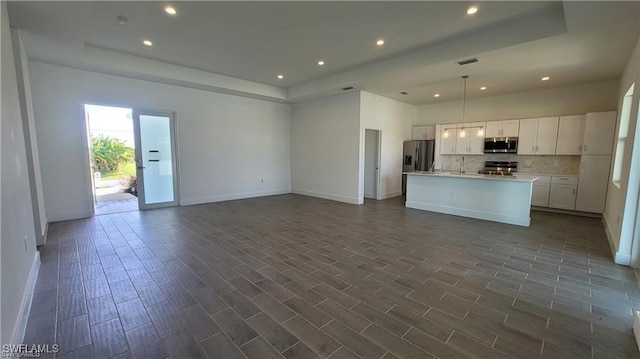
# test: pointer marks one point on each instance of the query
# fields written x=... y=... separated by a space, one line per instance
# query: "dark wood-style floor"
x=299 y=277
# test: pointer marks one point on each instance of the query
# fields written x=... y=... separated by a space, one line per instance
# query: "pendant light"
x=463 y=133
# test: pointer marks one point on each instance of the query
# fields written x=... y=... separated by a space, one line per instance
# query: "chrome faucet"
x=462 y=165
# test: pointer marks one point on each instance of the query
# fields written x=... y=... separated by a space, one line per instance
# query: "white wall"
x=616 y=197
x=371 y=149
x=18 y=243
x=226 y=143
x=594 y=97
x=28 y=122
x=325 y=148
x=394 y=119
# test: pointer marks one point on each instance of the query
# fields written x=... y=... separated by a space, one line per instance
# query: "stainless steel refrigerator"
x=416 y=156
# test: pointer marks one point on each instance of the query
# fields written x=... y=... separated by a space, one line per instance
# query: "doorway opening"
x=112 y=158
x=372 y=164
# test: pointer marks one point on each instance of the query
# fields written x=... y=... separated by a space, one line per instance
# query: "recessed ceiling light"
x=122 y=19
x=546 y=78
x=321 y=63
x=483 y=88
x=380 y=42
x=436 y=95
x=170 y=10
x=472 y=10
x=147 y=42
x=280 y=77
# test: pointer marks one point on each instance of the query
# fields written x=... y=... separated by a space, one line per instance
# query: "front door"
x=157 y=182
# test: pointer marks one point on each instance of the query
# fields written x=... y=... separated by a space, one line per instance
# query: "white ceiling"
x=516 y=42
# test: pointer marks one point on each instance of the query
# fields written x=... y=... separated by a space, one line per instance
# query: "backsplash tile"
x=567 y=165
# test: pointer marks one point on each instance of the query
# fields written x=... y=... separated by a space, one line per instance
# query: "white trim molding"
x=232 y=196
x=27 y=297
x=329 y=196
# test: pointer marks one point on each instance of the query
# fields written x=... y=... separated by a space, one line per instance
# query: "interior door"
x=157 y=181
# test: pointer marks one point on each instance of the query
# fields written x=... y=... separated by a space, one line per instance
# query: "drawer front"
x=564 y=180
x=542 y=180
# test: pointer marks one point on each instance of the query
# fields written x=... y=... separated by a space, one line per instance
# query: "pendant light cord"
x=464 y=96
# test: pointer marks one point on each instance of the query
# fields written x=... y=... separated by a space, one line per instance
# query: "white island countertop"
x=504 y=199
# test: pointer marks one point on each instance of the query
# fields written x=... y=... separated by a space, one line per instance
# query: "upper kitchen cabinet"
x=423 y=132
x=570 y=135
x=448 y=140
x=537 y=136
x=470 y=138
x=599 y=131
x=507 y=128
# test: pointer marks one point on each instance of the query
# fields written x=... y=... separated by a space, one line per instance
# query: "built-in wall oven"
x=501 y=145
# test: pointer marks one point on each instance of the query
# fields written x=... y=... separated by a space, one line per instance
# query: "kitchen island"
x=505 y=199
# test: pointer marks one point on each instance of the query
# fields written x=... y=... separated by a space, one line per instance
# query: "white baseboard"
x=27 y=297
x=622 y=259
x=636 y=327
x=329 y=196
x=42 y=238
x=391 y=194
x=232 y=196
x=618 y=258
x=67 y=216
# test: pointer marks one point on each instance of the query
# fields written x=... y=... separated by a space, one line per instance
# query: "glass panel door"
x=155 y=159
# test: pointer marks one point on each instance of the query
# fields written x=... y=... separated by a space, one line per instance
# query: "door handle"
x=141 y=167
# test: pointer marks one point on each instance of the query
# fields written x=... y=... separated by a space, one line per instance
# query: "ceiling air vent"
x=347 y=88
x=468 y=61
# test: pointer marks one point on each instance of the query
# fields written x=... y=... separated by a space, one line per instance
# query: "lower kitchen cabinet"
x=540 y=193
x=592 y=189
x=562 y=194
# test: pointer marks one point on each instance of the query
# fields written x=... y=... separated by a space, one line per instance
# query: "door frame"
x=378 y=150
x=136 y=112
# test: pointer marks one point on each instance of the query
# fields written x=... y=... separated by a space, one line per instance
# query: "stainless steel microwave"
x=501 y=145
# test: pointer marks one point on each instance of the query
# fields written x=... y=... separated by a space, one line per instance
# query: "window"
x=623 y=132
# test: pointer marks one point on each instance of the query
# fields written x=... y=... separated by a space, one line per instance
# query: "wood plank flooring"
x=299 y=277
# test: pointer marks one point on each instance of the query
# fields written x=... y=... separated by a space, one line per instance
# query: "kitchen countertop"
x=546 y=174
x=514 y=178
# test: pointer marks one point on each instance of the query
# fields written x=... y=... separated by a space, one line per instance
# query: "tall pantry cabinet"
x=595 y=163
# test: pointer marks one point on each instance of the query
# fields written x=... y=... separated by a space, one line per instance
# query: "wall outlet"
x=26 y=244
x=261 y=180
x=323 y=184
x=556 y=163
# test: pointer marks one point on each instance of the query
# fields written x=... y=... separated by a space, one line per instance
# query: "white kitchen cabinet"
x=493 y=129
x=547 y=136
x=599 y=131
x=471 y=143
x=423 y=132
x=540 y=192
x=527 y=137
x=570 y=135
x=562 y=193
x=508 y=128
x=537 y=136
x=448 y=140
x=592 y=188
